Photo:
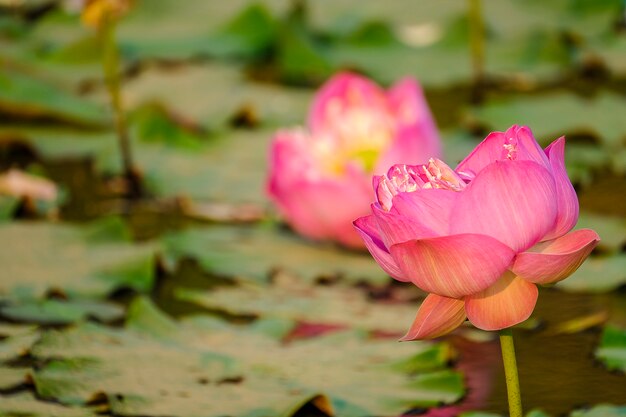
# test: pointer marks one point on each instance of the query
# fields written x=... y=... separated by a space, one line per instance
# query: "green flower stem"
x=476 y=35
x=510 y=373
x=110 y=67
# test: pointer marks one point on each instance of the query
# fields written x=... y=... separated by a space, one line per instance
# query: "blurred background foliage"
x=192 y=298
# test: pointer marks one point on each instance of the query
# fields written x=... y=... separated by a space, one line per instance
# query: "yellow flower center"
x=359 y=134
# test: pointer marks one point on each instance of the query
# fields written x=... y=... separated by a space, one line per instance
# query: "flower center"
x=440 y=175
x=410 y=178
x=361 y=130
x=399 y=179
x=510 y=147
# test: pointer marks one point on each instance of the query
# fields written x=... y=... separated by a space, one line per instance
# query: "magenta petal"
x=289 y=156
x=412 y=145
x=517 y=143
x=510 y=301
x=417 y=138
x=487 y=152
x=431 y=207
x=567 y=202
x=511 y=201
x=407 y=102
x=396 y=228
x=367 y=228
x=349 y=202
x=343 y=90
x=436 y=316
x=324 y=207
x=527 y=147
x=453 y=266
x=552 y=261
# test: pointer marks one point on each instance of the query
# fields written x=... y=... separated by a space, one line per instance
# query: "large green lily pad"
x=154 y=123
x=21 y=95
x=8 y=205
x=11 y=378
x=331 y=16
x=203 y=367
x=235 y=39
x=71 y=66
x=553 y=115
x=16 y=340
x=437 y=52
x=231 y=170
x=457 y=144
x=584 y=161
x=612 y=348
x=63 y=142
x=228 y=168
x=253 y=253
x=440 y=65
x=290 y=298
x=61 y=311
x=598 y=274
x=612 y=230
x=432 y=66
x=25 y=404
x=212 y=93
x=512 y=46
x=601 y=410
x=138 y=40
x=613 y=52
x=42 y=257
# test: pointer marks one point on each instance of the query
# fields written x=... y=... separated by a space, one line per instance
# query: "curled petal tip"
x=368 y=230
x=553 y=261
x=567 y=201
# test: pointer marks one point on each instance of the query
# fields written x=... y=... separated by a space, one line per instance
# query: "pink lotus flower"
x=320 y=177
x=478 y=238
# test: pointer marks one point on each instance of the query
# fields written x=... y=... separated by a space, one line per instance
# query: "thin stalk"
x=110 y=67
x=510 y=373
x=477 y=41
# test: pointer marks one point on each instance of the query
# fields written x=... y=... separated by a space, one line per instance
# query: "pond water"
x=558 y=372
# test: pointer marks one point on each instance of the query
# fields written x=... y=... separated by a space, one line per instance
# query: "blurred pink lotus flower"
x=320 y=177
x=480 y=237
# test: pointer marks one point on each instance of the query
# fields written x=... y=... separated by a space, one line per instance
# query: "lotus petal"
x=343 y=91
x=436 y=316
x=453 y=266
x=517 y=143
x=554 y=260
x=396 y=228
x=326 y=207
x=512 y=201
x=417 y=139
x=509 y=301
x=567 y=201
x=431 y=208
x=368 y=229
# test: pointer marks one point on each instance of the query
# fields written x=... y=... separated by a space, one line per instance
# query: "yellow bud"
x=96 y=12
